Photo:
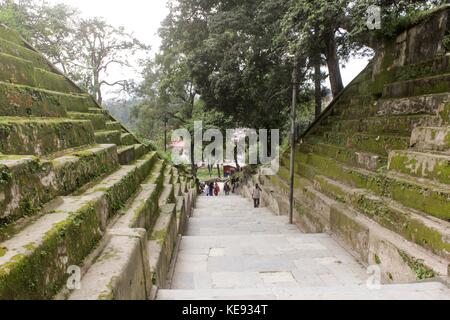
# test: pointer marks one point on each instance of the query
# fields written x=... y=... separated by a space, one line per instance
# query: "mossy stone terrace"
x=67 y=171
x=374 y=169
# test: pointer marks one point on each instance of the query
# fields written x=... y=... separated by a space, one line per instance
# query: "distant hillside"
x=121 y=110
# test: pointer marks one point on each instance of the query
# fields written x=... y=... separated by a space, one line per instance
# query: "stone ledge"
x=40 y=136
x=68 y=231
x=121 y=272
x=29 y=182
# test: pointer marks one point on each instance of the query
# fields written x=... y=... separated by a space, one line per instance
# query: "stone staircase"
x=374 y=169
x=77 y=191
x=232 y=251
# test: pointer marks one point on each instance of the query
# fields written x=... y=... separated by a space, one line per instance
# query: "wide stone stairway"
x=233 y=251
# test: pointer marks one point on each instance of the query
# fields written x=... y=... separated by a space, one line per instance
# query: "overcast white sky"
x=143 y=18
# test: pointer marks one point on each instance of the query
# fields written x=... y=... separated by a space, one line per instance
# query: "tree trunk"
x=318 y=87
x=193 y=164
x=97 y=88
x=238 y=168
x=333 y=66
x=218 y=171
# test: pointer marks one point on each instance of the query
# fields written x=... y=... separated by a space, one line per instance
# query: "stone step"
x=122 y=269
x=23 y=72
x=16 y=70
x=19 y=51
x=18 y=100
x=126 y=154
x=431 y=138
x=371 y=242
x=30 y=182
x=98 y=120
x=53 y=81
x=389 y=125
x=141 y=149
x=11 y=35
x=167 y=194
x=427 y=232
x=419 y=291
x=435 y=104
x=354 y=112
x=401 y=72
x=363 y=160
x=420 y=194
x=43 y=136
x=183 y=206
x=113 y=126
x=168 y=175
x=127 y=139
x=157 y=176
x=435 y=84
x=162 y=243
x=425 y=196
x=432 y=66
x=235 y=226
x=376 y=144
x=430 y=165
x=360 y=101
x=142 y=211
x=108 y=137
x=399 y=260
x=68 y=230
x=311 y=207
x=121 y=272
x=21 y=101
x=97 y=110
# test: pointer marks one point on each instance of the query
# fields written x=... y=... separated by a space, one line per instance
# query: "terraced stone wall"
x=374 y=170
x=78 y=191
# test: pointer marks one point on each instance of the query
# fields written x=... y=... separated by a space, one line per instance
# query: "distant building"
x=228 y=170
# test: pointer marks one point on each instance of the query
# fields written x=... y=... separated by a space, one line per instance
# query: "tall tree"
x=84 y=49
x=228 y=50
x=100 y=47
x=313 y=28
x=49 y=28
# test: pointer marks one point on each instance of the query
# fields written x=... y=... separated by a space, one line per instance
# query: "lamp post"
x=293 y=123
x=165 y=132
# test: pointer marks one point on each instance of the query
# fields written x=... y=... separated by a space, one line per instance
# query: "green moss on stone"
x=377 y=259
x=159 y=236
x=422 y=272
x=445 y=114
x=41 y=273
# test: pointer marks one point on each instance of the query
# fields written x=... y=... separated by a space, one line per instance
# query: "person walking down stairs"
x=216 y=189
x=226 y=189
x=257 y=196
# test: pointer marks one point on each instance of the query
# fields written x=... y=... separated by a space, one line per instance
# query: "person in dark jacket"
x=227 y=189
x=256 y=195
x=211 y=189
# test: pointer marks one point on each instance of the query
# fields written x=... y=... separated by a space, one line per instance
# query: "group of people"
x=213 y=190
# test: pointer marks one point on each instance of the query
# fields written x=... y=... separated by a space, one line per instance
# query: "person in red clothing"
x=216 y=189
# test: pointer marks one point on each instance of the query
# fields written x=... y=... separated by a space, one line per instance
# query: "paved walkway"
x=233 y=251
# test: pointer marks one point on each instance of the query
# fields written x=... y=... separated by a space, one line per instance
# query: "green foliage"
x=396 y=17
x=225 y=55
x=422 y=272
x=83 y=48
